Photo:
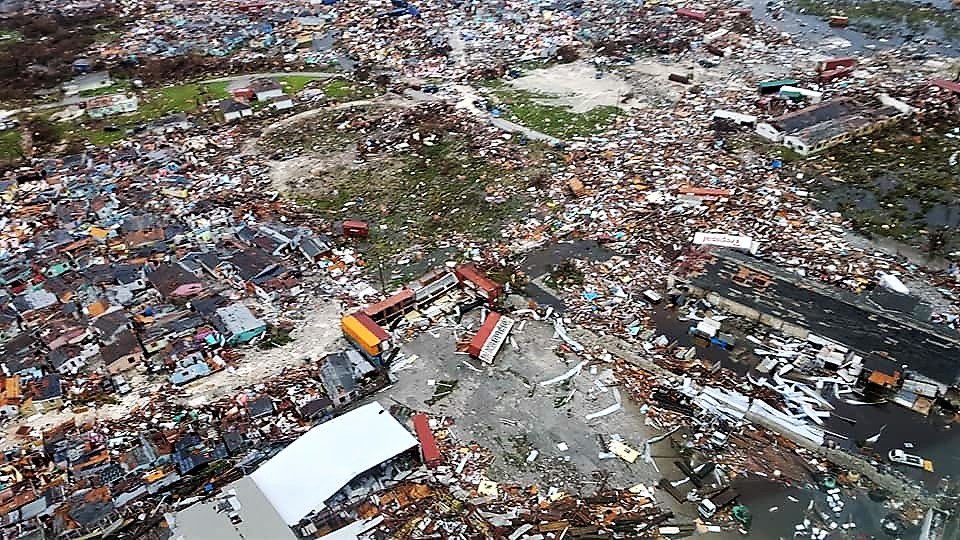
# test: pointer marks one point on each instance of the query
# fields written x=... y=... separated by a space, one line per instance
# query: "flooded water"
x=863 y=34
x=931 y=437
x=761 y=496
x=541 y=262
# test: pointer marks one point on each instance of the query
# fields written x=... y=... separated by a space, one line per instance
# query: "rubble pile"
x=171 y=304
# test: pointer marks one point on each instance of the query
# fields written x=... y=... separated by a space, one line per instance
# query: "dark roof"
x=167 y=277
x=315 y=407
x=264 y=85
x=126 y=343
x=252 y=262
x=127 y=273
x=89 y=513
x=232 y=105
x=815 y=114
x=48 y=388
x=262 y=406
x=111 y=324
x=207 y=305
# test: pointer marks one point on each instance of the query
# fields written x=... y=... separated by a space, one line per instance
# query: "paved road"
x=317 y=74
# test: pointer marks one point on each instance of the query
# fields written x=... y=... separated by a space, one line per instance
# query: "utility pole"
x=383 y=282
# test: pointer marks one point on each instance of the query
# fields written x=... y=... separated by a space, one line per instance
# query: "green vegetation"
x=295 y=83
x=871 y=16
x=154 y=104
x=530 y=110
x=118 y=87
x=10 y=145
x=897 y=184
x=277 y=337
x=343 y=90
x=421 y=197
x=9 y=37
x=174 y=99
x=106 y=36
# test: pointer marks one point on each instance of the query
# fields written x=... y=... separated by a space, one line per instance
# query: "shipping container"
x=473 y=279
x=476 y=344
x=355 y=229
x=393 y=307
x=835 y=63
x=365 y=334
x=772 y=87
x=834 y=74
x=692 y=14
x=428 y=443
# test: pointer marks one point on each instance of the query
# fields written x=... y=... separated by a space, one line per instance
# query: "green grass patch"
x=10 y=149
x=9 y=37
x=293 y=84
x=342 y=90
x=118 y=87
x=427 y=195
x=175 y=99
x=532 y=110
x=106 y=36
x=154 y=104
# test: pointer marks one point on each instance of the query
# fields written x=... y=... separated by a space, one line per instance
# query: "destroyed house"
x=260 y=407
x=237 y=324
x=315 y=248
x=191 y=453
x=346 y=375
x=830 y=123
x=94 y=516
x=173 y=281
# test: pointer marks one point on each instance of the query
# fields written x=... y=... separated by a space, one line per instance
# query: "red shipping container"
x=471 y=277
x=833 y=74
x=373 y=327
x=354 y=228
x=483 y=334
x=834 y=63
x=398 y=303
x=692 y=14
x=947 y=85
x=428 y=443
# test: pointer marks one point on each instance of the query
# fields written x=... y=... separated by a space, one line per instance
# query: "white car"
x=899 y=456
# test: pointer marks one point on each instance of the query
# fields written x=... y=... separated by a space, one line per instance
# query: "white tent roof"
x=305 y=474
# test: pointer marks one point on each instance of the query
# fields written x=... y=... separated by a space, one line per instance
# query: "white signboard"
x=725 y=240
